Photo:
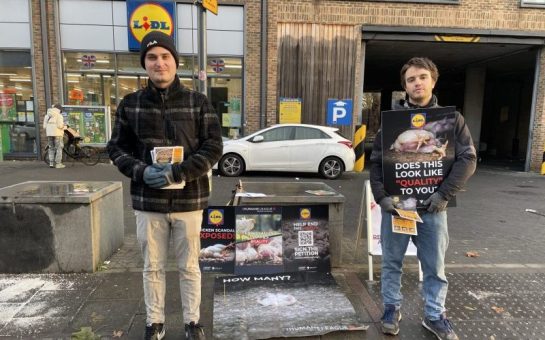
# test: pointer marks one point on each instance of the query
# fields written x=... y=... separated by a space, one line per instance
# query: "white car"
x=289 y=147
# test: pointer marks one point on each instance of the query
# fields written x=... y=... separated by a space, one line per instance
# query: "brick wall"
x=54 y=61
x=474 y=14
x=538 y=141
x=39 y=86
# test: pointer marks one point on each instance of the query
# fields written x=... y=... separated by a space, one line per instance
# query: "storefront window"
x=17 y=117
x=89 y=61
x=226 y=95
x=98 y=79
x=224 y=67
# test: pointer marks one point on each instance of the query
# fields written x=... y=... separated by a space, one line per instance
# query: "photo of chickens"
x=258 y=244
x=218 y=253
x=430 y=142
x=281 y=305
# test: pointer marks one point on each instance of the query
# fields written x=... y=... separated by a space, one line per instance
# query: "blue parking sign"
x=339 y=112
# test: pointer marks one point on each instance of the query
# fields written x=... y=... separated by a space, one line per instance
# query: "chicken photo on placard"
x=430 y=139
x=245 y=225
x=218 y=252
x=259 y=240
x=260 y=251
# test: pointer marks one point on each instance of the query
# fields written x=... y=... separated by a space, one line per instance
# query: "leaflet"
x=168 y=154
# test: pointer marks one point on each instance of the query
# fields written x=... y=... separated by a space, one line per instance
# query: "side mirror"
x=257 y=139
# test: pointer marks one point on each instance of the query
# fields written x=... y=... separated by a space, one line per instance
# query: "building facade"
x=260 y=53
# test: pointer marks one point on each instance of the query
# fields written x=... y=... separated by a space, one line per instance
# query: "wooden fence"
x=315 y=63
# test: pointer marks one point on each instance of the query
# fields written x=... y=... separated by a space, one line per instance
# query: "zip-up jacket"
x=175 y=116
x=464 y=160
x=54 y=123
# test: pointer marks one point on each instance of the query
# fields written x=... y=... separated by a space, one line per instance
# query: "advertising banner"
x=218 y=240
x=417 y=153
x=306 y=238
x=281 y=305
x=254 y=240
x=91 y=122
x=8 y=111
x=258 y=240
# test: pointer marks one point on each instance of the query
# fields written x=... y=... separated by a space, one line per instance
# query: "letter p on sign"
x=339 y=112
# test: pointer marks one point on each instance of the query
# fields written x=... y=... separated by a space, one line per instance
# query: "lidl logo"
x=144 y=17
x=215 y=216
x=304 y=213
x=418 y=120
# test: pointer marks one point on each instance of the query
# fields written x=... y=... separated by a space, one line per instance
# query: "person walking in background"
x=165 y=113
x=418 y=78
x=54 y=129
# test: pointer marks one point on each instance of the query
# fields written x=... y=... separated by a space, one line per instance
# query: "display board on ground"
x=281 y=305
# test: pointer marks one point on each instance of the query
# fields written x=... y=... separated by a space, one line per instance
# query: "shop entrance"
x=490 y=79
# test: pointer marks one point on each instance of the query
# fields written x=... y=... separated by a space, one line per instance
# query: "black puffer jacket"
x=462 y=168
x=176 y=116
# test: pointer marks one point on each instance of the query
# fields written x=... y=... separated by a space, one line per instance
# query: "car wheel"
x=231 y=165
x=331 y=168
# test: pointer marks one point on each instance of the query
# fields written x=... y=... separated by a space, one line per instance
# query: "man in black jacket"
x=418 y=78
x=167 y=114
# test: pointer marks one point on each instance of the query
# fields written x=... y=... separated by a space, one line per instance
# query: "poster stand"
x=93 y=123
x=373 y=232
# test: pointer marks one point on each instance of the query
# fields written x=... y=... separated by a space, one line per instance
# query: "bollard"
x=359 y=147
x=543 y=164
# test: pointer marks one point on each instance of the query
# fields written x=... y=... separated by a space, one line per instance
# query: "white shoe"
x=60 y=166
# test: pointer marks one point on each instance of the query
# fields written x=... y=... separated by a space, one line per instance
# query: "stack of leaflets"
x=168 y=154
x=405 y=222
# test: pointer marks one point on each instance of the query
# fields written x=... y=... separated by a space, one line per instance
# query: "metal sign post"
x=201 y=23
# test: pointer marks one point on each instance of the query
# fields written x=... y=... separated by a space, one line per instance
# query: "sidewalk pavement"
x=498 y=295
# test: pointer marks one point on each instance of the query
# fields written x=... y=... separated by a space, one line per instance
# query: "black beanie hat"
x=157 y=38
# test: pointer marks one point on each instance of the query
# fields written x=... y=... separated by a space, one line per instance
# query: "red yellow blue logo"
x=418 y=120
x=215 y=216
x=144 y=17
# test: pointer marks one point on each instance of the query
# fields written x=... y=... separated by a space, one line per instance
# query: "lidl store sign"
x=144 y=17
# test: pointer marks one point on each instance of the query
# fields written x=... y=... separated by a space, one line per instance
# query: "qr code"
x=306 y=238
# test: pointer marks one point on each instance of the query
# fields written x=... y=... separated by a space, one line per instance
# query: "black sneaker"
x=442 y=328
x=155 y=331
x=194 y=331
x=390 y=320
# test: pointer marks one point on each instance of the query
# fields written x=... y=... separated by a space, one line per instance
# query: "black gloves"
x=435 y=203
x=387 y=204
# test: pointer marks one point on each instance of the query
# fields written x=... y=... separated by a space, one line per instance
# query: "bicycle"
x=88 y=155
